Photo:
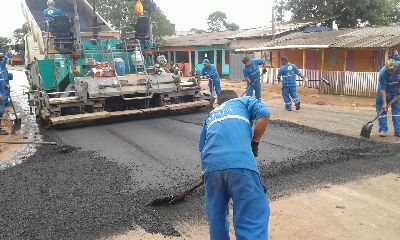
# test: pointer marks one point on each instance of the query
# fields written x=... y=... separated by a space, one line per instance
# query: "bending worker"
x=4 y=71
x=210 y=71
x=3 y=92
x=388 y=88
x=228 y=150
x=252 y=76
x=288 y=72
x=51 y=11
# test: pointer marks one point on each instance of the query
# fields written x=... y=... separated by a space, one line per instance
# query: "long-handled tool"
x=17 y=121
x=28 y=143
x=171 y=200
x=367 y=128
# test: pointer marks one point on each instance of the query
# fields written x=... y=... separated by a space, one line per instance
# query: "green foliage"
x=121 y=15
x=217 y=21
x=349 y=14
x=19 y=34
x=231 y=26
x=4 y=44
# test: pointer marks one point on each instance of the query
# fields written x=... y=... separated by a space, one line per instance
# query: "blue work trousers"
x=288 y=93
x=2 y=106
x=215 y=84
x=250 y=204
x=383 y=126
x=256 y=87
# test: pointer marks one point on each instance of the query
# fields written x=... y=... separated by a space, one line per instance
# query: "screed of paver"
x=367 y=209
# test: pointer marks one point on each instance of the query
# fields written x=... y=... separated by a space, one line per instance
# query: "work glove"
x=264 y=71
x=279 y=79
x=254 y=147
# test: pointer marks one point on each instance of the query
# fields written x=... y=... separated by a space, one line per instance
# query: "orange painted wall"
x=340 y=60
x=275 y=59
x=295 y=56
x=363 y=60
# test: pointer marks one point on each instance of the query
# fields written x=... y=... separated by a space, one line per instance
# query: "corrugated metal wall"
x=236 y=65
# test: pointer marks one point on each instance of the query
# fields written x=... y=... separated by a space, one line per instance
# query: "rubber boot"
x=2 y=132
x=297 y=106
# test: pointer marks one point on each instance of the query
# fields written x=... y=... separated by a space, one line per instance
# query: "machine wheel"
x=157 y=101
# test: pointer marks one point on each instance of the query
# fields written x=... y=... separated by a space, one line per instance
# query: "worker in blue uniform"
x=388 y=88
x=3 y=69
x=252 y=76
x=51 y=11
x=228 y=150
x=288 y=72
x=3 y=92
x=210 y=71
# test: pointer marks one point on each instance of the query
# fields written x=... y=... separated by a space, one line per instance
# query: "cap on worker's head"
x=206 y=61
x=245 y=60
x=391 y=65
x=51 y=2
x=284 y=59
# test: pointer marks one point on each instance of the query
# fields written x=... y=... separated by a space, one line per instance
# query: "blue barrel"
x=119 y=67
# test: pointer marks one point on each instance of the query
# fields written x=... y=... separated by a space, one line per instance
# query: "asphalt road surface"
x=99 y=182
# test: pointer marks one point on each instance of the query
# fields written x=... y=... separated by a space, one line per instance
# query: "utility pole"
x=95 y=27
x=273 y=20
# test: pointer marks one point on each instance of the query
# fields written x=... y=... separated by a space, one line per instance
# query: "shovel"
x=367 y=128
x=171 y=200
x=17 y=121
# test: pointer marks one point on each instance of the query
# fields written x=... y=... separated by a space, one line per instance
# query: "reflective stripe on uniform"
x=238 y=117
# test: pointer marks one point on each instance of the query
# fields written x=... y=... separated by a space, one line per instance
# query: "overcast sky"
x=186 y=14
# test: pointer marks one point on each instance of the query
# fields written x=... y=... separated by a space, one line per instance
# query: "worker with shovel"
x=252 y=75
x=288 y=72
x=3 y=94
x=228 y=150
x=388 y=89
x=210 y=72
x=4 y=71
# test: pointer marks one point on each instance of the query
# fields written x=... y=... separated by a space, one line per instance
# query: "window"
x=332 y=56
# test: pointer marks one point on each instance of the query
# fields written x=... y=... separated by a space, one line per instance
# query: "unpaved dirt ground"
x=6 y=150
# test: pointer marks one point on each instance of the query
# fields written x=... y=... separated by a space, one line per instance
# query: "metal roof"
x=199 y=39
x=370 y=37
x=301 y=40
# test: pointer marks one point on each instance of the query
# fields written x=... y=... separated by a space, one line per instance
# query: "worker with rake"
x=252 y=76
x=388 y=89
x=228 y=149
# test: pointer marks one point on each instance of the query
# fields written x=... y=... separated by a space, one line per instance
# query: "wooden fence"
x=362 y=84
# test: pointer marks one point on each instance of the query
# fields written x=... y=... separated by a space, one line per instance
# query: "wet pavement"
x=101 y=186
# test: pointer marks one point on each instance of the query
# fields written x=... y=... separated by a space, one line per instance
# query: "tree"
x=4 y=44
x=121 y=16
x=374 y=12
x=231 y=26
x=18 y=37
x=216 y=22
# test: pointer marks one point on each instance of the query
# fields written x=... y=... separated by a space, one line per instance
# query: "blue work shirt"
x=390 y=83
x=2 y=87
x=252 y=72
x=288 y=72
x=3 y=67
x=210 y=72
x=51 y=12
x=225 y=140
